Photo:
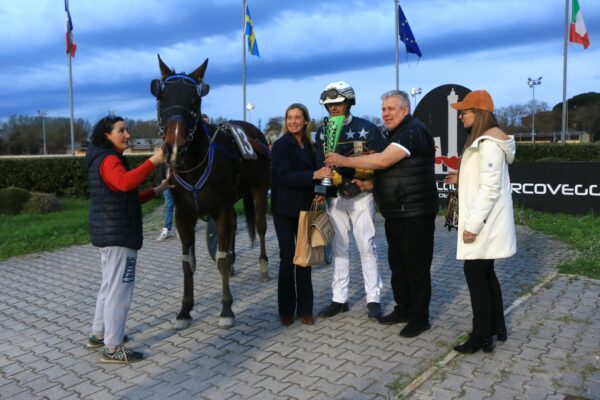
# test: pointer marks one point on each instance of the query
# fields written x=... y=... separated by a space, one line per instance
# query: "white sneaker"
x=165 y=233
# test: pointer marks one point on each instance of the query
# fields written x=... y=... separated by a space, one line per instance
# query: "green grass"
x=30 y=233
x=580 y=232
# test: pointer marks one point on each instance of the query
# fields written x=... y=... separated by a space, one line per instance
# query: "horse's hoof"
x=264 y=277
x=181 y=324
x=264 y=271
x=226 y=322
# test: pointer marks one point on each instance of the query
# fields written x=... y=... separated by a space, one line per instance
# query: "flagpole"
x=71 y=92
x=397 y=44
x=71 y=102
x=244 y=58
x=563 y=132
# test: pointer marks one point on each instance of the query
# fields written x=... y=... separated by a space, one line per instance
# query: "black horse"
x=212 y=168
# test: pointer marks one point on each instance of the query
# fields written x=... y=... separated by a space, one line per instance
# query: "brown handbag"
x=321 y=230
x=452 y=211
x=306 y=254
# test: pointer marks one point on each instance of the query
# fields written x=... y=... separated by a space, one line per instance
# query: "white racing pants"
x=356 y=214
x=116 y=291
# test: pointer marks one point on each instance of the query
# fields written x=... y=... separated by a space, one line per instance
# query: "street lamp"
x=532 y=83
x=43 y=115
x=414 y=92
x=250 y=107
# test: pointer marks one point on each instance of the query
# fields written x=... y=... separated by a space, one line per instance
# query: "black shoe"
x=414 y=329
x=501 y=336
x=393 y=318
x=94 y=342
x=334 y=309
x=475 y=343
x=374 y=310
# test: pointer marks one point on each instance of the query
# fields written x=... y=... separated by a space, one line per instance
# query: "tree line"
x=22 y=134
x=583 y=115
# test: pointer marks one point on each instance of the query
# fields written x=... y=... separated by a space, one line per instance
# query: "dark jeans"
x=486 y=298
x=294 y=290
x=410 y=252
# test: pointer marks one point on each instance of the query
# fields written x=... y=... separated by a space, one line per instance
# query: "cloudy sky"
x=304 y=45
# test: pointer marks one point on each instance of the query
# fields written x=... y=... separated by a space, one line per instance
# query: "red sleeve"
x=147 y=195
x=117 y=178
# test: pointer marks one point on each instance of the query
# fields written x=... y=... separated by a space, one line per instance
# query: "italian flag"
x=577 y=32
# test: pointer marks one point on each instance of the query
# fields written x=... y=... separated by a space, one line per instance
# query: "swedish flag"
x=252 y=45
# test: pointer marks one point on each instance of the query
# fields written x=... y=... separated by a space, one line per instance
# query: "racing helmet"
x=337 y=92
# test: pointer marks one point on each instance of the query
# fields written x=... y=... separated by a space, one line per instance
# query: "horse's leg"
x=260 y=201
x=185 y=227
x=232 y=242
x=224 y=263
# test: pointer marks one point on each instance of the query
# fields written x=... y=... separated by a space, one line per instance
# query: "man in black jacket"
x=405 y=191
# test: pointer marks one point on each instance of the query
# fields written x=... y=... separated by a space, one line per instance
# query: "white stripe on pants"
x=116 y=291
x=359 y=212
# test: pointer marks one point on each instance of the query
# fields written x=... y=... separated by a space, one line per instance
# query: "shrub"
x=540 y=152
x=64 y=176
x=42 y=203
x=12 y=200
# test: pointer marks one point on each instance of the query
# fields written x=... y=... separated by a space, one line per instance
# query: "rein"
x=194 y=189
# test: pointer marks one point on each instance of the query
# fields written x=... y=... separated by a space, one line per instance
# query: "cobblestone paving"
x=553 y=351
x=47 y=301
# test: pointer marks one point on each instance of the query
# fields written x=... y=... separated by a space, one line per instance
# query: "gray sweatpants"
x=116 y=291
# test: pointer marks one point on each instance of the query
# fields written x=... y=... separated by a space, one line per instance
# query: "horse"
x=212 y=167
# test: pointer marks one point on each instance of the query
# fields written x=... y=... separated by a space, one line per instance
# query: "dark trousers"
x=410 y=252
x=486 y=298
x=294 y=289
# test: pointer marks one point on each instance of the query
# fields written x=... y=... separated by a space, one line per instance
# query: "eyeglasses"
x=464 y=112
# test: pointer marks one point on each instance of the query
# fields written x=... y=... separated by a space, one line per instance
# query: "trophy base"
x=325 y=191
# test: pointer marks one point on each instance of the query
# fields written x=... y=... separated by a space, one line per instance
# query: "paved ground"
x=47 y=301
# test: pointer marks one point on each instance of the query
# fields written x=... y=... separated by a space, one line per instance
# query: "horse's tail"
x=250 y=213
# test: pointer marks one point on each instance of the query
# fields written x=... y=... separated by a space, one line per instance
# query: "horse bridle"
x=201 y=89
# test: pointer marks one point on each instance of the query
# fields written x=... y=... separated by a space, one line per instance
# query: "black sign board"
x=569 y=187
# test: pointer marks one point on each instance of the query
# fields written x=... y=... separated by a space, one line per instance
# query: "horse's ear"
x=165 y=71
x=198 y=74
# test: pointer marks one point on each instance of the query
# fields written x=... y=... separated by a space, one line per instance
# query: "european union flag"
x=406 y=35
x=252 y=45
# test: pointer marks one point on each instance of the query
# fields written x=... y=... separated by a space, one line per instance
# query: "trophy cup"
x=332 y=128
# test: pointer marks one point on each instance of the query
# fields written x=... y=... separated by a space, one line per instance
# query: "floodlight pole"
x=414 y=92
x=532 y=83
x=43 y=115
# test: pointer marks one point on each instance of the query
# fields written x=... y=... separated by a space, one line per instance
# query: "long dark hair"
x=484 y=120
x=102 y=127
x=305 y=131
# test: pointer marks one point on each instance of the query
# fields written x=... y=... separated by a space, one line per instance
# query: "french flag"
x=71 y=46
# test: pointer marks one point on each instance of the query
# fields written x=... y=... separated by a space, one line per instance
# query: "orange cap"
x=479 y=99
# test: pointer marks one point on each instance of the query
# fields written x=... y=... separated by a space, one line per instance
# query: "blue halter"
x=200 y=183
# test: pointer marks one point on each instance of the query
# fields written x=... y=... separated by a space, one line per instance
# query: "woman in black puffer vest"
x=115 y=222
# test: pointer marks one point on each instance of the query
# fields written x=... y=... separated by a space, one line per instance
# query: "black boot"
x=474 y=343
x=334 y=309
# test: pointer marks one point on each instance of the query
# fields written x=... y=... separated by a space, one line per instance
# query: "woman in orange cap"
x=486 y=229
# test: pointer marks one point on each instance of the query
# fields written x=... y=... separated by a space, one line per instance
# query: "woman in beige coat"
x=486 y=229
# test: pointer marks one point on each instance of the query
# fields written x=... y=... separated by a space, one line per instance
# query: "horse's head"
x=179 y=97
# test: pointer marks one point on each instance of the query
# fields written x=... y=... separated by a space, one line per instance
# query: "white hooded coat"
x=485 y=200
